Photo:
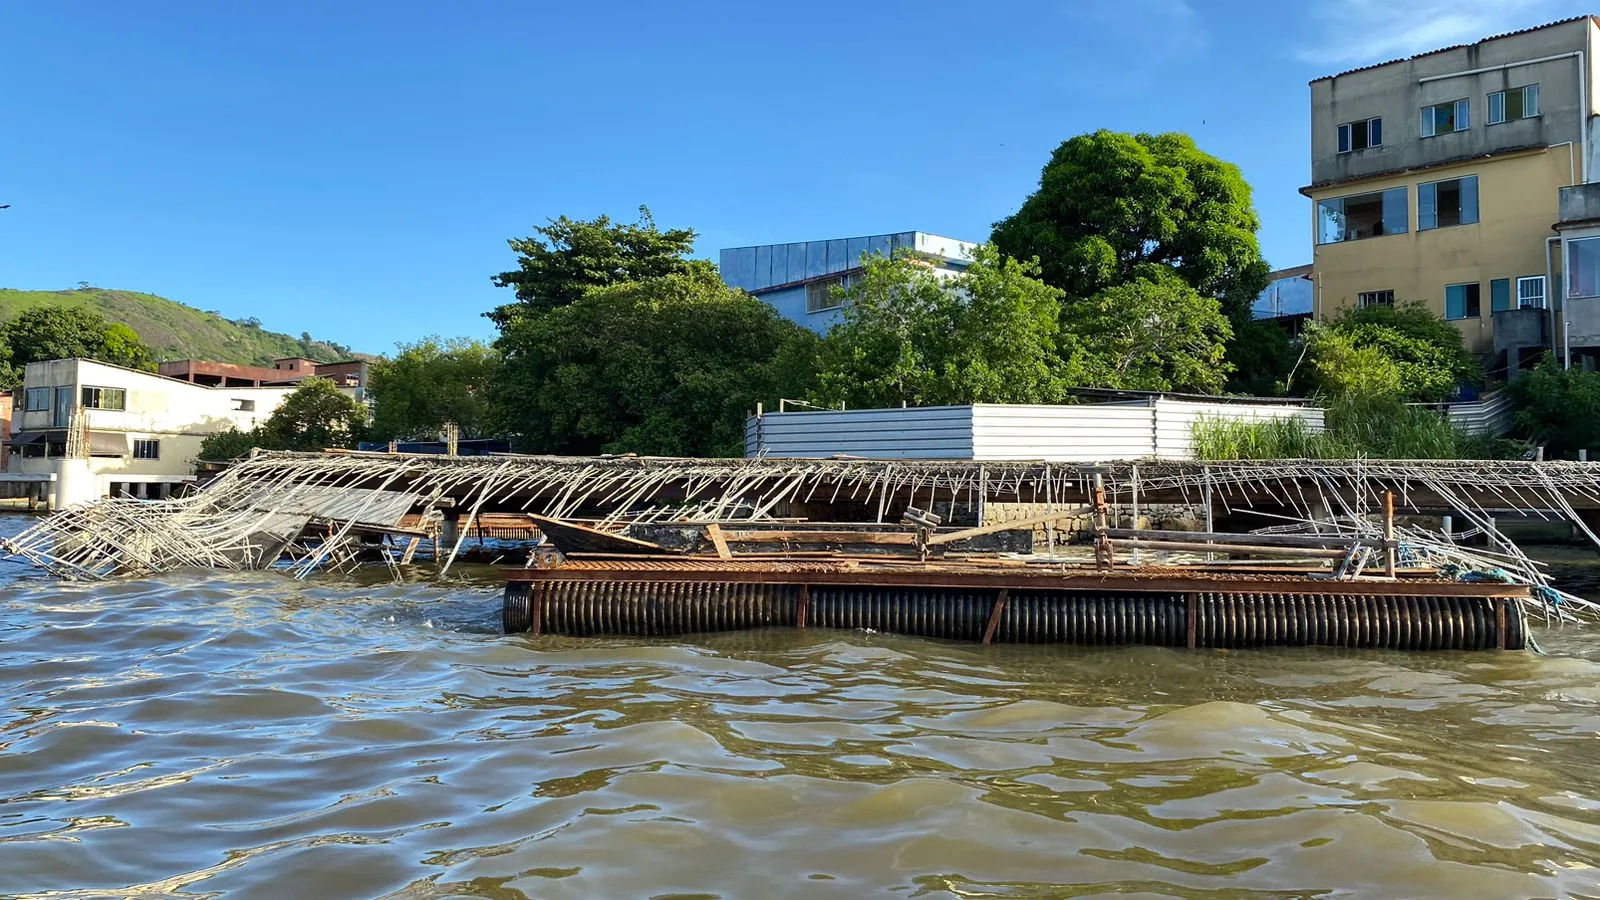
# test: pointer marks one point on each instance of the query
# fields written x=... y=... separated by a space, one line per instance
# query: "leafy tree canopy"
x=1558 y=407
x=1154 y=332
x=564 y=259
x=65 y=332
x=315 y=416
x=430 y=383
x=912 y=336
x=1357 y=351
x=669 y=365
x=1110 y=204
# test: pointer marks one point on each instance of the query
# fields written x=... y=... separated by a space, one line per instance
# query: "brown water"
x=250 y=735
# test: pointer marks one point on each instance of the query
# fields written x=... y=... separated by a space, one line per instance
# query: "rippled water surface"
x=206 y=734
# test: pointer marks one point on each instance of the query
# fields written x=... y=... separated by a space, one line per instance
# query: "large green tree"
x=1405 y=350
x=66 y=332
x=432 y=382
x=1110 y=204
x=567 y=257
x=668 y=365
x=910 y=335
x=1153 y=332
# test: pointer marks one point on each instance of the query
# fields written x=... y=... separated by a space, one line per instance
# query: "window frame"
x=1527 y=91
x=1568 y=269
x=1374 y=298
x=1462 y=192
x=826 y=285
x=1472 y=306
x=154 y=444
x=30 y=393
x=1522 y=301
x=99 y=394
x=1402 y=204
x=1460 y=117
x=1344 y=135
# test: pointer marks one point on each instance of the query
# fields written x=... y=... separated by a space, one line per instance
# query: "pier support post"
x=994 y=616
x=449 y=532
x=802 y=607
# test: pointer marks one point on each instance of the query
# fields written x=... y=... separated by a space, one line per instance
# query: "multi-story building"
x=83 y=430
x=799 y=279
x=350 y=373
x=1437 y=178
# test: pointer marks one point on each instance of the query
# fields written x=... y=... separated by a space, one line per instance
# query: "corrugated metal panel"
x=1175 y=420
x=1490 y=415
x=1067 y=433
x=854 y=248
x=763 y=276
x=797 y=263
x=816 y=259
x=881 y=245
x=838 y=259
x=934 y=432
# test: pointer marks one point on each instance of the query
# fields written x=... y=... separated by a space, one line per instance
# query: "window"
x=104 y=398
x=63 y=414
x=38 y=399
x=1517 y=103
x=1360 y=135
x=1583 y=268
x=1361 y=216
x=143 y=449
x=1499 y=294
x=819 y=295
x=1375 y=298
x=242 y=405
x=1445 y=203
x=1530 y=292
x=1446 y=117
x=1461 y=301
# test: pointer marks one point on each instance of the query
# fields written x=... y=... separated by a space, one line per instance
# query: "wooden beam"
x=1028 y=522
x=714 y=532
x=994 y=616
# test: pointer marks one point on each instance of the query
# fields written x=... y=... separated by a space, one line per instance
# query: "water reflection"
x=204 y=734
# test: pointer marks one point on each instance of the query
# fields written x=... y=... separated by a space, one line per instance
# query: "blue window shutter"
x=1500 y=294
x=1455 y=302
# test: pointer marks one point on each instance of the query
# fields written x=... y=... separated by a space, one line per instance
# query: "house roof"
x=1493 y=37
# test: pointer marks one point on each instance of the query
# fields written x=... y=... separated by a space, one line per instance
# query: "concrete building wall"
x=1517 y=207
x=1397 y=92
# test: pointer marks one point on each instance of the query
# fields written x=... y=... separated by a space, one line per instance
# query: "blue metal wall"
x=757 y=268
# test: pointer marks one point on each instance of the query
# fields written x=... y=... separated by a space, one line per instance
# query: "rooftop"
x=1494 y=37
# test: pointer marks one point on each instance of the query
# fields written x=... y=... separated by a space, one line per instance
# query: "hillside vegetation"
x=176 y=331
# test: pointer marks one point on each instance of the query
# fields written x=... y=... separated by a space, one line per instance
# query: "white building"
x=798 y=279
x=82 y=430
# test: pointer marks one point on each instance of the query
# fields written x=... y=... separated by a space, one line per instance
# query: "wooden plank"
x=994 y=616
x=411 y=551
x=1204 y=547
x=570 y=538
x=714 y=532
x=802 y=607
x=817 y=537
x=1028 y=522
x=1274 y=540
x=1499 y=623
x=1194 y=617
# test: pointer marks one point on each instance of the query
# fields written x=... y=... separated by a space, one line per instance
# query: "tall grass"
x=1382 y=428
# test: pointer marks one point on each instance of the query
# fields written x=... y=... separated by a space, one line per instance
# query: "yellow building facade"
x=1505 y=248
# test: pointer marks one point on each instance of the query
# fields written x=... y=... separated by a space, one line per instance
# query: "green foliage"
x=1558 y=407
x=430 y=383
x=668 y=365
x=64 y=332
x=173 y=330
x=1153 y=332
x=1110 y=204
x=315 y=416
x=228 y=445
x=568 y=257
x=1404 y=351
x=1262 y=354
x=1380 y=427
x=911 y=336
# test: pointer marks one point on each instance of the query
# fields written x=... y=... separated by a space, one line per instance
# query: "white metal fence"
x=1158 y=427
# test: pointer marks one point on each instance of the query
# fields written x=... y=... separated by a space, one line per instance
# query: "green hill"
x=176 y=331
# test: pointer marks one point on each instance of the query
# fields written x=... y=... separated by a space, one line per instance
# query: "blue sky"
x=353 y=169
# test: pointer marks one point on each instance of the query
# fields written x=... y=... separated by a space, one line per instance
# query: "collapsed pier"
x=945 y=548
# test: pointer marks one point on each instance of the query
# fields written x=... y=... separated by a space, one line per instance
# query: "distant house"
x=1287 y=298
x=798 y=279
x=289 y=370
x=85 y=429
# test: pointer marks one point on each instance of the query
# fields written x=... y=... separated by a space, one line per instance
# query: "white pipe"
x=1550 y=288
x=1583 y=94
